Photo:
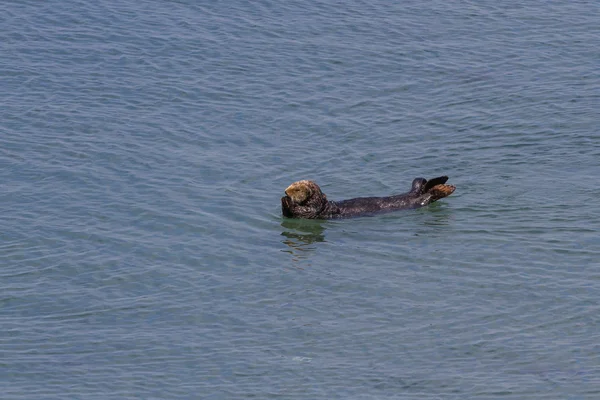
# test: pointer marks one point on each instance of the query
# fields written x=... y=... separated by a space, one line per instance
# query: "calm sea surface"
x=144 y=147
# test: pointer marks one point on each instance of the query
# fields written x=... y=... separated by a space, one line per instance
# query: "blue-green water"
x=144 y=147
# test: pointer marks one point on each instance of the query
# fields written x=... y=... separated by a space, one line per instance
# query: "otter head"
x=303 y=199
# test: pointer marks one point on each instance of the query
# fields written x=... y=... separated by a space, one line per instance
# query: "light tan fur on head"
x=300 y=191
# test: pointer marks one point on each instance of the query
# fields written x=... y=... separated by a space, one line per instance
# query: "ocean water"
x=144 y=147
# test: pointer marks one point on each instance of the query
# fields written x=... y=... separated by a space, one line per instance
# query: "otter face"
x=300 y=191
x=303 y=199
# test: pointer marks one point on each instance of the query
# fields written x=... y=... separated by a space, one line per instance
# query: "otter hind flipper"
x=440 y=180
x=440 y=191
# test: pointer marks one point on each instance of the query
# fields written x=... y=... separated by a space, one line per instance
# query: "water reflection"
x=301 y=236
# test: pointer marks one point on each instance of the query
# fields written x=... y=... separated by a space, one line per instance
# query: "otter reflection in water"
x=304 y=199
x=302 y=238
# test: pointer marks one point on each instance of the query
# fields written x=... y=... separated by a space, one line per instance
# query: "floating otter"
x=304 y=199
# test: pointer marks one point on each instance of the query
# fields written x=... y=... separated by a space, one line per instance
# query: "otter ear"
x=299 y=191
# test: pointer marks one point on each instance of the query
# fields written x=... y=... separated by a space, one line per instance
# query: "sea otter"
x=304 y=199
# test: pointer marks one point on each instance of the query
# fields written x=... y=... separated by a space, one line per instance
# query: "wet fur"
x=304 y=199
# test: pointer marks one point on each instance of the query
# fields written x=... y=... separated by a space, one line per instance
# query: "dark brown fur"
x=304 y=199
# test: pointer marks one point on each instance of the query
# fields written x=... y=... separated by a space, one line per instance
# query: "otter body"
x=304 y=199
